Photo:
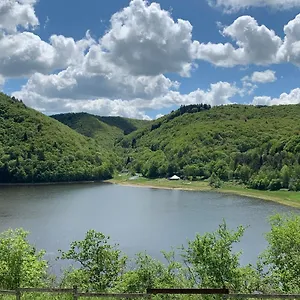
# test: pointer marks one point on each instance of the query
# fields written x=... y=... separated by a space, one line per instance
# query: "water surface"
x=137 y=218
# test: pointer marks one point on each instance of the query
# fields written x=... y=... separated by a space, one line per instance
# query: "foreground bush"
x=208 y=261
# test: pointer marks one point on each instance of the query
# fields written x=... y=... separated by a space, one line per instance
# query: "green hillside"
x=258 y=146
x=37 y=148
x=105 y=130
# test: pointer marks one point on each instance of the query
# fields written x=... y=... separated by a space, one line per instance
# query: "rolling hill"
x=105 y=130
x=37 y=148
x=258 y=146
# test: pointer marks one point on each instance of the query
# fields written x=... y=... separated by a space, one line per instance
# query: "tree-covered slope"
x=104 y=129
x=37 y=148
x=259 y=146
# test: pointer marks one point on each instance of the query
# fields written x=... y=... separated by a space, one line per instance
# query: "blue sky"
x=142 y=59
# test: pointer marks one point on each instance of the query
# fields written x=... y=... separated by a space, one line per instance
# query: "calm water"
x=137 y=218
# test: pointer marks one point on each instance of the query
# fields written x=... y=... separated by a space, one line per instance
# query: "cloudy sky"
x=142 y=59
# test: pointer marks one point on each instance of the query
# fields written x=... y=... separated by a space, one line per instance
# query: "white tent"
x=174 y=177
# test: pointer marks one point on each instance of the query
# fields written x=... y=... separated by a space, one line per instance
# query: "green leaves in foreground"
x=100 y=263
x=280 y=263
x=212 y=262
x=20 y=264
x=208 y=261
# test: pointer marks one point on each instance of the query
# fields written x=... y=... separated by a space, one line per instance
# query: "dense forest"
x=37 y=148
x=105 y=130
x=255 y=145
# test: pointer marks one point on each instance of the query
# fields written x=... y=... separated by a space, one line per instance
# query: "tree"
x=285 y=176
x=20 y=264
x=151 y=273
x=243 y=172
x=100 y=263
x=280 y=263
x=215 y=181
x=212 y=262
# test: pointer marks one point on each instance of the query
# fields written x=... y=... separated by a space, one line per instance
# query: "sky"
x=142 y=59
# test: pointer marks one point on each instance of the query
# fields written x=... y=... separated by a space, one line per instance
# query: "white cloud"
x=104 y=106
x=14 y=13
x=290 y=50
x=261 y=77
x=218 y=94
x=230 y=6
x=24 y=53
x=248 y=87
x=123 y=72
x=145 y=40
x=292 y=98
x=2 y=81
x=76 y=83
x=256 y=44
x=159 y=116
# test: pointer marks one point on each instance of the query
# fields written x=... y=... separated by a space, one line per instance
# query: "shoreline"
x=53 y=183
x=227 y=189
x=287 y=198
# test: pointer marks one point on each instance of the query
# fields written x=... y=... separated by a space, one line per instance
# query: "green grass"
x=283 y=197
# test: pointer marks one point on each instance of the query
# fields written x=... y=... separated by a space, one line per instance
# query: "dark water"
x=137 y=218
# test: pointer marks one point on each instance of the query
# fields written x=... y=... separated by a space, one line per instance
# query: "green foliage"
x=257 y=146
x=20 y=264
x=212 y=262
x=106 y=130
x=215 y=181
x=100 y=262
x=37 y=148
x=280 y=263
x=208 y=261
x=150 y=273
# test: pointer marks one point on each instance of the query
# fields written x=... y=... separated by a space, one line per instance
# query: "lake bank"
x=283 y=197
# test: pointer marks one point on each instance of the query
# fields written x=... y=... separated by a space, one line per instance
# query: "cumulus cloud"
x=2 y=81
x=290 y=50
x=15 y=13
x=145 y=40
x=231 y=6
x=261 y=77
x=128 y=63
x=256 y=44
x=218 y=94
x=264 y=77
x=104 y=106
x=123 y=72
x=75 y=83
x=24 y=53
x=291 y=98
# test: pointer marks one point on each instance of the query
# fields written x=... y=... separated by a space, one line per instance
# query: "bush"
x=215 y=181
x=275 y=185
x=20 y=264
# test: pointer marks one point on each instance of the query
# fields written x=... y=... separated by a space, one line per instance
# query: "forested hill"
x=259 y=146
x=104 y=129
x=37 y=148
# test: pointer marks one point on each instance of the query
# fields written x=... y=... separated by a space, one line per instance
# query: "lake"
x=137 y=218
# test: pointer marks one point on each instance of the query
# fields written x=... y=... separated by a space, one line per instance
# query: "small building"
x=174 y=177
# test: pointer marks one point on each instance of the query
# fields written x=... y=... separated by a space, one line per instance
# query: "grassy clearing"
x=283 y=197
